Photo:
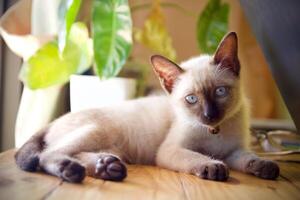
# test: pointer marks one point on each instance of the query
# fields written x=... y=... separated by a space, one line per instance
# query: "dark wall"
x=276 y=25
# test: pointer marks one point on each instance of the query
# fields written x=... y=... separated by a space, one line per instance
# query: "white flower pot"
x=91 y=92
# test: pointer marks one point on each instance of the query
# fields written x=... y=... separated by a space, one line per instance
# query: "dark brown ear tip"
x=232 y=34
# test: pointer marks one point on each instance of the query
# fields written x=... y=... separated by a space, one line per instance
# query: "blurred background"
x=179 y=20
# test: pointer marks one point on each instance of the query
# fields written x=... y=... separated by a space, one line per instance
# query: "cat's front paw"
x=212 y=170
x=266 y=169
x=111 y=168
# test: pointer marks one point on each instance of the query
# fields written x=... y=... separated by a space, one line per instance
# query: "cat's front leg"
x=212 y=170
x=248 y=162
x=184 y=160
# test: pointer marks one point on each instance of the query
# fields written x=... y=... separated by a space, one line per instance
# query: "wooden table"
x=144 y=182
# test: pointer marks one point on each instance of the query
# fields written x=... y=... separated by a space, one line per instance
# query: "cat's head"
x=205 y=89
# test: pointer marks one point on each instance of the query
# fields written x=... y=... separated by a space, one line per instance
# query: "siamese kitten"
x=200 y=127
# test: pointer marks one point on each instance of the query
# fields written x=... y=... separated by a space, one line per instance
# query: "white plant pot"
x=91 y=92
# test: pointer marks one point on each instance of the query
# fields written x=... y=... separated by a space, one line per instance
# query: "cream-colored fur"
x=133 y=129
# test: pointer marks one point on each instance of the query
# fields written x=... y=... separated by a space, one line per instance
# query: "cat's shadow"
x=233 y=181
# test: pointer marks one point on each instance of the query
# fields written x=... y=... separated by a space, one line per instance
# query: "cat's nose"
x=210 y=113
x=209 y=116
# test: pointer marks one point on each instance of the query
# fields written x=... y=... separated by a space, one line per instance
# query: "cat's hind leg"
x=59 y=158
x=27 y=157
x=103 y=165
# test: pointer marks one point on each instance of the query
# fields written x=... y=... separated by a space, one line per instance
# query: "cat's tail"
x=27 y=157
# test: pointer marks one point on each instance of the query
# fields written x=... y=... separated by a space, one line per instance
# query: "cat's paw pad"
x=72 y=171
x=212 y=170
x=111 y=168
x=266 y=169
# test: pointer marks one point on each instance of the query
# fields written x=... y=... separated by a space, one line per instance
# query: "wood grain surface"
x=147 y=182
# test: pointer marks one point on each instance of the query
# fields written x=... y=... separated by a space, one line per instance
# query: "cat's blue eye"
x=191 y=99
x=221 y=91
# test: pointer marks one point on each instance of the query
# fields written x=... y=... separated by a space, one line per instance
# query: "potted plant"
x=111 y=28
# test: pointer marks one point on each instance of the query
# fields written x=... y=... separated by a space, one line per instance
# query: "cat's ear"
x=227 y=53
x=166 y=70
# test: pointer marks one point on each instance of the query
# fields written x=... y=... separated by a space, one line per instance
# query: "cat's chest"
x=217 y=146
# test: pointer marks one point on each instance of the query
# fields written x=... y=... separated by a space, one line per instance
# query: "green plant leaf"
x=67 y=13
x=212 y=25
x=50 y=67
x=112 y=36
